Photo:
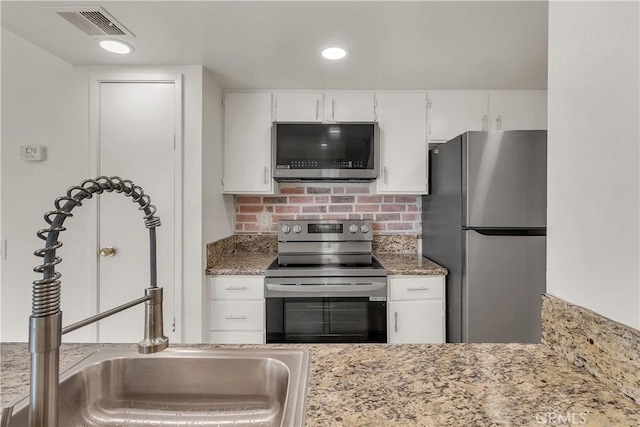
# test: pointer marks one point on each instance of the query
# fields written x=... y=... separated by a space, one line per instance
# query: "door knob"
x=107 y=251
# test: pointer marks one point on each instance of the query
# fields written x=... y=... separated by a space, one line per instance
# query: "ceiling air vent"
x=93 y=21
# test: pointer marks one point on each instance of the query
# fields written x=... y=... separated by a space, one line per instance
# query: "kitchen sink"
x=182 y=387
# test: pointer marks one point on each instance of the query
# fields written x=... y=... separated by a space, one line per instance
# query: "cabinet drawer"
x=237 y=315
x=236 y=337
x=237 y=288
x=416 y=287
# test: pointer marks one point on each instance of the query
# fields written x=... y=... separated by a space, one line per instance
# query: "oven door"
x=338 y=312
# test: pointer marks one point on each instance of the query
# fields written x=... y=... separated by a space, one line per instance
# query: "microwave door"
x=325 y=151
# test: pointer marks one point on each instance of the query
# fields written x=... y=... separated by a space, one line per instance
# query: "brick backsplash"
x=389 y=214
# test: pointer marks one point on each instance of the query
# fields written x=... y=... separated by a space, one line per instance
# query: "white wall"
x=44 y=102
x=217 y=209
x=594 y=183
x=215 y=204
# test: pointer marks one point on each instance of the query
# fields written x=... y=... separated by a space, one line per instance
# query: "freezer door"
x=505 y=179
x=503 y=279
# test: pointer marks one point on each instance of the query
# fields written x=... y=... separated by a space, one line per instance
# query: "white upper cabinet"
x=403 y=142
x=247 y=143
x=298 y=107
x=452 y=113
x=324 y=107
x=408 y=121
x=349 y=107
x=518 y=110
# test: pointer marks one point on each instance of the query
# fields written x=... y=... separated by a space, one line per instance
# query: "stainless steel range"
x=326 y=286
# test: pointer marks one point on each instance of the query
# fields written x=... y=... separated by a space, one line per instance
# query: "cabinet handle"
x=241 y=317
x=484 y=122
x=499 y=123
x=417 y=289
x=266 y=170
x=317 y=109
x=375 y=109
x=385 y=173
x=333 y=109
x=395 y=316
x=235 y=288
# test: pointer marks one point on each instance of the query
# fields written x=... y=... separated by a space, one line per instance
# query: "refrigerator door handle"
x=509 y=231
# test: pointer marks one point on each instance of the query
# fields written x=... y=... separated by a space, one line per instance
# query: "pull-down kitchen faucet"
x=45 y=326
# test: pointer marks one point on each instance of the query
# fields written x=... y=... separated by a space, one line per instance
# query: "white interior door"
x=136 y=134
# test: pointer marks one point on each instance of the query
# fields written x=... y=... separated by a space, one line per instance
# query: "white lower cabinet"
x=236 y=310
x=416 y=309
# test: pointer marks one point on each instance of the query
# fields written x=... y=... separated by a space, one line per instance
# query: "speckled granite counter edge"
x=240 y=243
x=608 y=350
x=228 y=256
x=395 y=243
x=488 y=385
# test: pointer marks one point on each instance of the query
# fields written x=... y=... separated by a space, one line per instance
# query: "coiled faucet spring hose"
x=46 y=291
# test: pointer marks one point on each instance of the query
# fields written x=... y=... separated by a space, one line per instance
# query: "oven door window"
x=326 y=320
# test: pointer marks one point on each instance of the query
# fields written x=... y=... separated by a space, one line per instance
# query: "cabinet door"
x=403 y=143
x=416 y=322
x=298 y=107
x=453 y=113
x=518 y=111
x=349 y=107
x=247 y=143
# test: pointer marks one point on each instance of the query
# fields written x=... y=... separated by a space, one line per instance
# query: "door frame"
x=95 y=80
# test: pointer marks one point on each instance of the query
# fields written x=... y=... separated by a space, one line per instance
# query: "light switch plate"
x=32 y=153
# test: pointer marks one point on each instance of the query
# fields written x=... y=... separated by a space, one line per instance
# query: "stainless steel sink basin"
x=179 y=387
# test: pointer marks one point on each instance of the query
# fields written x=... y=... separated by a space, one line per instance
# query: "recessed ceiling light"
x=116 y=46
x=334 y=52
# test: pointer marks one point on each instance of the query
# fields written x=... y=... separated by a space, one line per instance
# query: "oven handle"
x=290 y=290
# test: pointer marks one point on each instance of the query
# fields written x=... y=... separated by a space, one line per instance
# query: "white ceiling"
x=265 y=44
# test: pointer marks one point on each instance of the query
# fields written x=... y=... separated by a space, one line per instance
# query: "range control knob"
x=297 y=228
x=353 y=228
x=286 y=228
x=364 y=228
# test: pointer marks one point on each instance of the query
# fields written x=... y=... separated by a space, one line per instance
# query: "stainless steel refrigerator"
x=485 y=221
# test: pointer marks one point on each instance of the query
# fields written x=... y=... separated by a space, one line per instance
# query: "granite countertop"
x=422 y=385
x=241 y=263
x=409 y=264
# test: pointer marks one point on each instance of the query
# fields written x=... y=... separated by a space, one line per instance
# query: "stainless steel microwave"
x=325 y=151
